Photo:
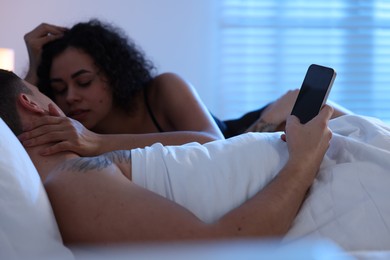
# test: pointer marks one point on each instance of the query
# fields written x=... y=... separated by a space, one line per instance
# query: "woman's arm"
x=274 y=116
x=35 y=40
x=67 y=134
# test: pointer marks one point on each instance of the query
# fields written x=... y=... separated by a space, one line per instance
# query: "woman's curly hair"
x=122 y=62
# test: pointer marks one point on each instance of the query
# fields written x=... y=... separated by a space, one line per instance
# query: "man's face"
x=42 y=99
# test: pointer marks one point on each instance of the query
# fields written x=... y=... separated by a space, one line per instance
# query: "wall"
x=177 y=35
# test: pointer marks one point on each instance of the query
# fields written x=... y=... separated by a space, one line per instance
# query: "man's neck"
x=45 y=164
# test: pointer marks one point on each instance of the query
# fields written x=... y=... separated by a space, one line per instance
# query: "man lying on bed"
x=95 y=200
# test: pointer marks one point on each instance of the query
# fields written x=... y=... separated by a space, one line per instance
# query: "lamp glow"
x=7 y=57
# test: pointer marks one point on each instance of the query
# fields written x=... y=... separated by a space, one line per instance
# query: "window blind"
x=266 y=47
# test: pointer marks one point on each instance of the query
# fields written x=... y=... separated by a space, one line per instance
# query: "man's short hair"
x=10 y=87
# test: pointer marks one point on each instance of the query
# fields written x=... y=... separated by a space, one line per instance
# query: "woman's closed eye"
x=58 y=88
x=84 y=83
x=84 y=80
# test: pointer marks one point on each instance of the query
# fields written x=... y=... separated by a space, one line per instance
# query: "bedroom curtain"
x=265 y=47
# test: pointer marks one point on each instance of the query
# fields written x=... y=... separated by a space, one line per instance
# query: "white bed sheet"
x=348 y=202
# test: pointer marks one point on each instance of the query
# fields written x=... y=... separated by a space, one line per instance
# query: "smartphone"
x=314 y=92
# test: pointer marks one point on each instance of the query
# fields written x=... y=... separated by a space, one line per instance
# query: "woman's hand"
x=274 y=116
x=35 y=40
x=278 y=111
x=61 y=134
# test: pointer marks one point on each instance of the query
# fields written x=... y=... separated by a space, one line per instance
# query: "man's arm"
x=102 y=206
x=94 y=201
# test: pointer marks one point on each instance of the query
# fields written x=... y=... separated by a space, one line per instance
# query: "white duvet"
x=348 y=202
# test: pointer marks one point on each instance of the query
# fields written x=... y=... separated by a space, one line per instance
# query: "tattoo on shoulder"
x=84 y=164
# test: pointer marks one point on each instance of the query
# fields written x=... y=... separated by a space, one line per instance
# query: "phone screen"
x=314 y=92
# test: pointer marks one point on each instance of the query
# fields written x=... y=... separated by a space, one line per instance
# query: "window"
x=267 y=45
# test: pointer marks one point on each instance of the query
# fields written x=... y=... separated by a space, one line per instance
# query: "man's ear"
x=29 y=104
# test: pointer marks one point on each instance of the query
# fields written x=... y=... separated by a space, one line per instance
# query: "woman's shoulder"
x=168 y=84
x=168 y=78
x=168 y=90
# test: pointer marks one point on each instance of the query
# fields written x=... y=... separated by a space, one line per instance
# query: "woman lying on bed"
x=98 y=199
x=100 y=78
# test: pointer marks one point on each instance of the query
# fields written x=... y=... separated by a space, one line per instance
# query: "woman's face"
x=79 y=89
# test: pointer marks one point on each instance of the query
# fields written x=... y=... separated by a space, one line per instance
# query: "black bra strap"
x=150 y=111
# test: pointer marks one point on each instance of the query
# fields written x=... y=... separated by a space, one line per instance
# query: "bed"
x=348 y=205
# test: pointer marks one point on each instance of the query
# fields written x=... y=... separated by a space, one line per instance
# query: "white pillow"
x=28 y=228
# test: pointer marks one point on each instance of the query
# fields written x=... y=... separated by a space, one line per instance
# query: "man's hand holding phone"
x=314 y=92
